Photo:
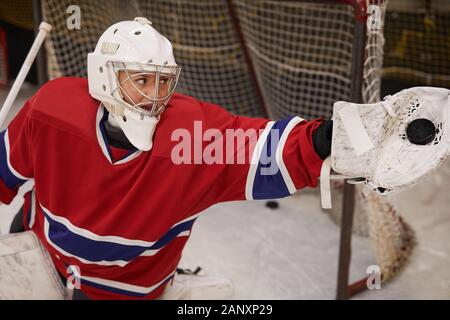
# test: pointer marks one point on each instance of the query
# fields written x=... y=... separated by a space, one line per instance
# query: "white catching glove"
x=391 y=144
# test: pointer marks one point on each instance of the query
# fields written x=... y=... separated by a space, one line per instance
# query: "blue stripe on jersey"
x=271 y=186
x=105 y=139
x=89 y=249
x=112 y=289
x=103 y=131
x=172 y=234
x=97 y=251
x=6 y=175
x=129 y=153
x=121 y=291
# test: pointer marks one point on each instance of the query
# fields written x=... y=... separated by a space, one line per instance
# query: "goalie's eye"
x=163 y=80
x=141 y=81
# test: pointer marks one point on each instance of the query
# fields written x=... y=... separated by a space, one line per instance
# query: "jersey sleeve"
x=279 y=156
x=15 y=156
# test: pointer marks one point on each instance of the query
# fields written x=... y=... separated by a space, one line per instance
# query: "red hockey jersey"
x=124 y=223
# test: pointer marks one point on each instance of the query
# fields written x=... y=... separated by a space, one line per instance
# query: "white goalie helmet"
x=136 y=50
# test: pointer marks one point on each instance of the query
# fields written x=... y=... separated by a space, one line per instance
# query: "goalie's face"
x=146 y=90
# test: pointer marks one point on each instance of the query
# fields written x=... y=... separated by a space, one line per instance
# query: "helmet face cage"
x=156 y=96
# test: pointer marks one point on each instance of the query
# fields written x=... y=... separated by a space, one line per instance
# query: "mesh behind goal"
x=301 y=51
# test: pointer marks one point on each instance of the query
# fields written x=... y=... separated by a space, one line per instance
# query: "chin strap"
x=114 y=108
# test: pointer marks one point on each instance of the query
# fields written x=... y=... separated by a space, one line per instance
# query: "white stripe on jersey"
x=279 y=154
x=255 y=160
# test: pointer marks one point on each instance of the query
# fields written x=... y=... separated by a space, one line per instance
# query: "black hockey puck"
x=272 y=204
x=421 y=131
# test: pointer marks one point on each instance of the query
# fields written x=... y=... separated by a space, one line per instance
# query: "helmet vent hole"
x=124 y=119
x=104 y=88
x=137 y=33
x=101 y=69
x=115 y=31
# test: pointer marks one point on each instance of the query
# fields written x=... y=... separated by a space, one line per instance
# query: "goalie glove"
x=391 y=144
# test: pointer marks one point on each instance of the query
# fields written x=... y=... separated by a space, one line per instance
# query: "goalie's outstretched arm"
x=283 y=156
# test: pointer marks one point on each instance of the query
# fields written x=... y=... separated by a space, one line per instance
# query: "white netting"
x=208 y=48
x=377 y=217
x=67 y=48
x=302 y=53
x=392 y=237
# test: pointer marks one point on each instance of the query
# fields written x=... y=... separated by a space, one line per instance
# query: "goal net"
x=301 y=52
x=255 y=58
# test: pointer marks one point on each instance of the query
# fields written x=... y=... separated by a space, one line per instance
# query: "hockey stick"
x=44 y=28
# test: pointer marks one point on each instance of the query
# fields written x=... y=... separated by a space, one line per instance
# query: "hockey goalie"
x=116 y=191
